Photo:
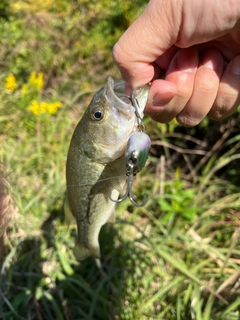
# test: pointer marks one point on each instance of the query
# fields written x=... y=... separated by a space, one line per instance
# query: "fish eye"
x=97 y=115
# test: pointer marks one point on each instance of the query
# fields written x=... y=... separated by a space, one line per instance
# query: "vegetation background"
x=176 y=258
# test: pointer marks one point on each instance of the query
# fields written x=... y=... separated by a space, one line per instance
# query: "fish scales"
x=96 y=165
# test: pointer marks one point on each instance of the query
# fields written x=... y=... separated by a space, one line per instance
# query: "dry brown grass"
x=7 y=209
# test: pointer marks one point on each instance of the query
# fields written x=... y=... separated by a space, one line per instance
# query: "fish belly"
x=88 y=231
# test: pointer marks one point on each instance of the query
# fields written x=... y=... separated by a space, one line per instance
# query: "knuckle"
x=209 y=87
x=223 y=106
x=116 y=52
x=187 y=121
x=120 y=54
x=216 y=114
x=227 y=97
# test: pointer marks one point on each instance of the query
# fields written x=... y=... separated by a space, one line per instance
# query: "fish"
x=96 y=164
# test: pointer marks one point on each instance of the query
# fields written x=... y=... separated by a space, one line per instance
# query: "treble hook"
x=128 y=193
x=136 y=153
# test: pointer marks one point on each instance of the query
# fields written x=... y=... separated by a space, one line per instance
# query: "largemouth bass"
x=96 y=165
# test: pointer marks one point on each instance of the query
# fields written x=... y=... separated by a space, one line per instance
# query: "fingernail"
x=208 y=64
x=186 y=60
x=152 y=111
x=235 y=66
x=159 y=100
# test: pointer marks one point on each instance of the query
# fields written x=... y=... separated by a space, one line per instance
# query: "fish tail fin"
x=82 y=252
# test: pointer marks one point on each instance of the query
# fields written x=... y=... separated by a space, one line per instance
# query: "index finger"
x=145 y=40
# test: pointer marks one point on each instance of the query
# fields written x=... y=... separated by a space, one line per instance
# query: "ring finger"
x=205 y=89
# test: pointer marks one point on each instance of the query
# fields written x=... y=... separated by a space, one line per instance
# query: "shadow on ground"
x=40 y=278
x=33 y=287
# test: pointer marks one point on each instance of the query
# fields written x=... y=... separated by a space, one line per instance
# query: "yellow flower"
x=34 y=107
x=37 y=108
x=10 y=83
x=32 y=78
x=40 y=81
x=36 y=80
x=24 y=89
x=44 y=107
x=53 y=107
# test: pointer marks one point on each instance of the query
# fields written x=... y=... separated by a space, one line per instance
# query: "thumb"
x=155 y=31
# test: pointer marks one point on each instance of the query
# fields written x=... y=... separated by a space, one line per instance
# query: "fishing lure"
x=136 y=154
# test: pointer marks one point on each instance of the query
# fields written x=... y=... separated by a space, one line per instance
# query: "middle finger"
x=181 y=72
x=205 y=89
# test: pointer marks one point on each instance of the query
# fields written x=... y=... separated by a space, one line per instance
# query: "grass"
x=153 y=271
x=176 y=258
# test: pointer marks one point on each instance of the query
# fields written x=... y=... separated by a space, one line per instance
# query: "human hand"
x=190 y=52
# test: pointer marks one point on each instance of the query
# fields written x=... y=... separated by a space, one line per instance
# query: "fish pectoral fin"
x=67 y=211
x=119 y=184
x=81 y=253
x=117 y=173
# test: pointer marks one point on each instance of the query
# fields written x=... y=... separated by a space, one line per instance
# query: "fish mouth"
x=116 y=96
